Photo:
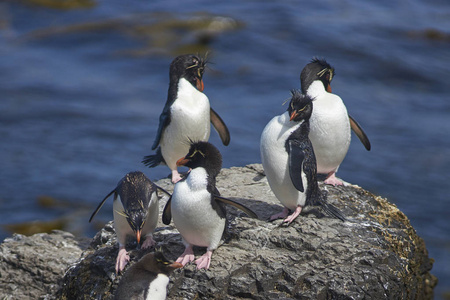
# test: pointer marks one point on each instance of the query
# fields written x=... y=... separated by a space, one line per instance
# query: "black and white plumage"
x=289 y=162
x=330 y=123
x=146 y=279
x=196 y=205
x=135 y=212
x=186 y=115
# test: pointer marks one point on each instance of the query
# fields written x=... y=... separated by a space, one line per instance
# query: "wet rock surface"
x=376 y=254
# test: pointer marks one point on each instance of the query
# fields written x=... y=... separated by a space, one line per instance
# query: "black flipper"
x=296 y=157
x=100 y=205
x=359 y=133
x=244 y=208
x=220 y=127
x=167 y=212
x=154 y=160
x=164 y=120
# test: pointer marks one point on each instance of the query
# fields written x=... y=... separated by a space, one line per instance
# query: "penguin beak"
x=175 y=265
x=138 y=236
x=182 y=161
x=200 y=85
x=329 y=88
x=293 y=115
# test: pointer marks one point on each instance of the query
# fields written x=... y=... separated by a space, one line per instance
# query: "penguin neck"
x=316 y=89
x=197 y=179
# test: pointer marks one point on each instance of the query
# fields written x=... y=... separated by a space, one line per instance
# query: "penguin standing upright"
x=330 y=123
x=289 y=162
x=146 y=279
x=187 y=113
x=196 y=206
x=135 y=212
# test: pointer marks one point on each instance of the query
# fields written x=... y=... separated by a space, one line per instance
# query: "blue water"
x=81 y=91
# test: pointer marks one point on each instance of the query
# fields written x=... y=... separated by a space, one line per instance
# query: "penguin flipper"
x=359 y=133
x=296 y=157
x=154 y=160
x=100 y=205
x=220 y=127
x=164 y=121
x=242 y=207
x=167 y=212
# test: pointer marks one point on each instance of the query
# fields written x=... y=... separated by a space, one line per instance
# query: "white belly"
x=275 y=161
x=190 y=120
x=193 y=215
x=158 y=288
x=329 y=132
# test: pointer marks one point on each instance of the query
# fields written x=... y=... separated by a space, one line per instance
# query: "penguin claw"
x=176 y=176
x=186 y=257
x=204 y=261
x=122 y=259
x=332 y=180
x=293 y=216
x=280 y=215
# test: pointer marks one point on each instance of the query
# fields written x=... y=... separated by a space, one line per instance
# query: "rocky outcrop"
x=376 y=254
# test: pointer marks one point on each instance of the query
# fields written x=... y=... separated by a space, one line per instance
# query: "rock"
x=33 y=267
x=376 y=254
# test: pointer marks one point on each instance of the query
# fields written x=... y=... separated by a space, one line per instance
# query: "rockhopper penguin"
x=196 y=206
x=146 y=279
x=330 y=123
x=289 y=162
x=187 y=113
x=135 y=212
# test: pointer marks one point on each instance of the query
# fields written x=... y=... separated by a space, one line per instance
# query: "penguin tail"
x=154 y=160
x=330 y=209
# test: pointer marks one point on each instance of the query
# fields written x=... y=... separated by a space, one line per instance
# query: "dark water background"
x=81 y=89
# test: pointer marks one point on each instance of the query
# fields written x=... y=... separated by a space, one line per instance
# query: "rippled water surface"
x=82 y=88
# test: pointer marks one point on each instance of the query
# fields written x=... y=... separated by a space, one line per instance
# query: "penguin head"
x=136 y=219
x=317 y=69
x=300 y=107
x=203 y=154
x=157 y=263
x=189 y=67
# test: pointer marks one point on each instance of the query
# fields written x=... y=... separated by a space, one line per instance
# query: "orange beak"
x=200 y=85
x=329 y=88
x=138 y=236
x=176 y=265
x=182 y=161
x=293 y=115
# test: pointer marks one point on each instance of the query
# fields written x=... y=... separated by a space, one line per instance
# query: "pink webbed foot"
x=122 y=259
x=176 y=176
x=331 y=179
x=293 y=216
x=283 y=214
x=149 y=242
x=187 y=256
x=204 y=261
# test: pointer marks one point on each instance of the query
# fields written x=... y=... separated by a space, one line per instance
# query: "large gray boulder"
x=376 y=254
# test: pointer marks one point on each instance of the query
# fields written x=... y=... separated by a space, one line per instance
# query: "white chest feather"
x=158 y=288
x=329 y=128
x=275 y=161
x=193 y=215
x=190 y=120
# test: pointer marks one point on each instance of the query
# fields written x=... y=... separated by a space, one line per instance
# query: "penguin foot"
x=293 y=216
x=331 y=179
x=149 y=242
x=187 y=256
x=176 y=176
x=204 y=261
x=122 y=259
x=280 y=215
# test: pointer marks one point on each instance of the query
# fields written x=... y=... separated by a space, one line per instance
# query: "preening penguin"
x=330 y=123
x=196 y=206
x=187 y=114
x=135 y=212
x=146 y=279
x=289 y=162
